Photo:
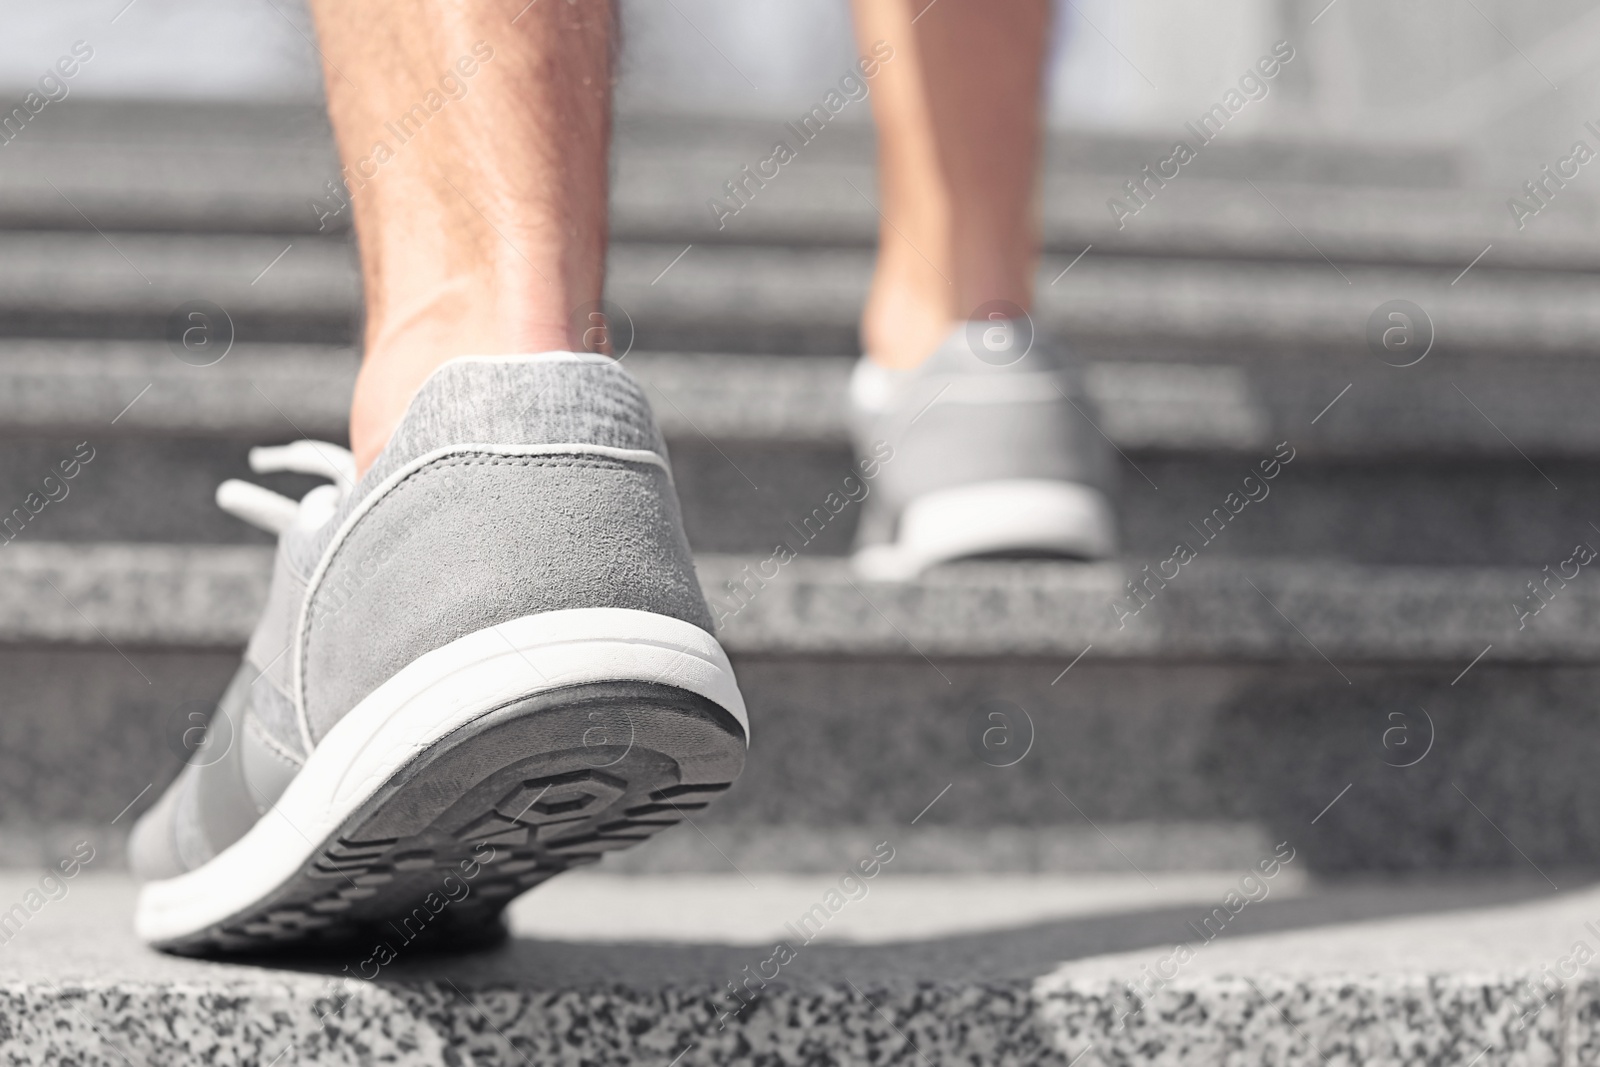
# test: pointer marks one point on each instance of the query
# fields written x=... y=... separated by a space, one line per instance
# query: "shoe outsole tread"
x=542 y=785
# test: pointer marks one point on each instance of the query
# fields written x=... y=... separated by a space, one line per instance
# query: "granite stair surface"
x=1356 y=665
x=204 y=199
x=1250 y=696
x=1449 y=462
x=739 y=297
x=198 y=168
x=1359 y=973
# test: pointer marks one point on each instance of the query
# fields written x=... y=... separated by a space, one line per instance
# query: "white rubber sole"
x=439 y=693
x=1016 y=515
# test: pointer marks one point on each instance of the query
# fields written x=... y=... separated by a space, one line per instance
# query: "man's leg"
x=1013 y=471
x=958 y=112
x=481 y=220
x=520 y=607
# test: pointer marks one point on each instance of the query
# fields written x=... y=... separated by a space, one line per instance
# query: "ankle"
x=457 y=320
x=902 y=325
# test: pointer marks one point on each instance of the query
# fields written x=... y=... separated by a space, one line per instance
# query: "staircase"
x=1353 y=667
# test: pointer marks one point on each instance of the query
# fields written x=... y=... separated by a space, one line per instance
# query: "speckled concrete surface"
x=1402 y=471
x=1182 y=766
x=75 y=988
x=1344 y=1020
x=225 y=167
x=1499 y=986
x=794 y=299
x=196 y=596
x=1170 y=725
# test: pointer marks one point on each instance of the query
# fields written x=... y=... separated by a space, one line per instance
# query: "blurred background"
x=1244 y=308
x=1384 y=274
x=1437 y=71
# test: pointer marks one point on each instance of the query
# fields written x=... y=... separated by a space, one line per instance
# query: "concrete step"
x=797 y=299
x=189 y=596
x=1402 y=704
x=1441 y=463
x=1147 y=406
x=611 y=971
x=1266 y=200
x=88 y=284
x=261 y=169
x=788 y=299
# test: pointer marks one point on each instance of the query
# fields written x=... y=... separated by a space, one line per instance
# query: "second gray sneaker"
x=484 y=663
x=993 y=454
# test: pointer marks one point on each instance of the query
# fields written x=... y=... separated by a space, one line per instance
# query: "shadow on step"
x=999 y=956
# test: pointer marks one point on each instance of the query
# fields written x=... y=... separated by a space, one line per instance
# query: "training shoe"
x=487 y=661
x=991 y=454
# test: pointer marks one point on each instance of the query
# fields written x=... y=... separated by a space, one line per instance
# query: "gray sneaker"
x=992 y=451
x=487 y=661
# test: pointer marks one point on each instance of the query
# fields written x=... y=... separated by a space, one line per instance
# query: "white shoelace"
x=275 y=512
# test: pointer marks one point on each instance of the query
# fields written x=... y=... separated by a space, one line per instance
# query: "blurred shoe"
x=487 y=661
x=993 y=456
